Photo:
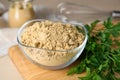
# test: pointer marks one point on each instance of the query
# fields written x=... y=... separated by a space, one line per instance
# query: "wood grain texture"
x=30 y=71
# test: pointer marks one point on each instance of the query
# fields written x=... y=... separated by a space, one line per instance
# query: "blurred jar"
x=20 y=11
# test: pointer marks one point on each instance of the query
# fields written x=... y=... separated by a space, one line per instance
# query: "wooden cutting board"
x=30 y=71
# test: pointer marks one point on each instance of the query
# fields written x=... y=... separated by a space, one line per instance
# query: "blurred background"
x=49 y=9
x=100 y=4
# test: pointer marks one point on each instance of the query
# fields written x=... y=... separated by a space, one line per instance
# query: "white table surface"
x=8 y=70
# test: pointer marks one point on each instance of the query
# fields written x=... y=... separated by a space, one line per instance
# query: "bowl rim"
x=39 y=20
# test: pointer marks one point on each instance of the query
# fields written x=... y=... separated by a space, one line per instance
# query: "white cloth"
x=7 y=39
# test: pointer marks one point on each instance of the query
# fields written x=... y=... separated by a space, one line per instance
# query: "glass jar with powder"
x=20 y=11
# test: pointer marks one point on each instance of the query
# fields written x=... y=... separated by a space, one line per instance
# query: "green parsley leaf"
x=100 y=61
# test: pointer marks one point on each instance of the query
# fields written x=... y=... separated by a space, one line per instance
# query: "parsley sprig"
x=99 y=60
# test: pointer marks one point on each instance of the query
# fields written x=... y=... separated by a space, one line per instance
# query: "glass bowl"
x=66 y=57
